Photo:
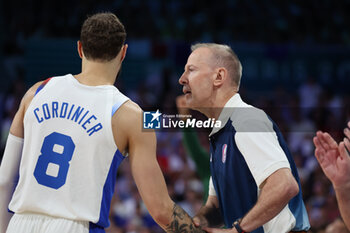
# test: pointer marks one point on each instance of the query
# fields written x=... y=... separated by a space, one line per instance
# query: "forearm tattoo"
x=181 y=222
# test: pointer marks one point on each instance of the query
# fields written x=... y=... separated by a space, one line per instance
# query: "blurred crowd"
x=272 y=21
x=299 y=112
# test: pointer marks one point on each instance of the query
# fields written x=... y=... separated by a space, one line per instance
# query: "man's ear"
x=221 y=76
x=80 y=49
x=124 y=48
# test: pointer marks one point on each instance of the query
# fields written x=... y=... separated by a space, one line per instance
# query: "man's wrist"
x=340 y=187
x=237 y=226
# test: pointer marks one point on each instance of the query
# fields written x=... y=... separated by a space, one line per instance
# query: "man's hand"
x=333 y=158
x=209 y=214
x=200 y=221
x=335 y=163
x=217 y=230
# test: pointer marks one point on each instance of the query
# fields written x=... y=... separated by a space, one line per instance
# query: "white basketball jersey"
x=70 y=160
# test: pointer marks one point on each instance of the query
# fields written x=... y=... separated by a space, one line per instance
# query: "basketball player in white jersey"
x=67 y=140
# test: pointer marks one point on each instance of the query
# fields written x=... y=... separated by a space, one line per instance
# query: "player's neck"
x=98 y=73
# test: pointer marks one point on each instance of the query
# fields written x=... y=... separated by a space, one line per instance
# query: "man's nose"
x=182 y=79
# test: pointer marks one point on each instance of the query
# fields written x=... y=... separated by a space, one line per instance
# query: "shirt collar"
x=227 y=111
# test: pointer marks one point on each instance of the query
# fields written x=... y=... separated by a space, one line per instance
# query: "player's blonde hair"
x=225 y=57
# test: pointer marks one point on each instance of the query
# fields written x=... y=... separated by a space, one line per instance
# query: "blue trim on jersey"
x=296 y=204
x=117 y=106
x=42 y=86
x=39 y=89
x=234 y=184
x=108 y=190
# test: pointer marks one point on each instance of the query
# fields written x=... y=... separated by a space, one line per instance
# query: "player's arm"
x=9 y=168
x=276 y=192
x=270 y=168
x=17 y=128
x=271 y=171
x=209 y=215
x=146 y=171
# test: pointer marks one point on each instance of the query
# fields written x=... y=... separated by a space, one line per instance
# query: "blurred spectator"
x=309 y=93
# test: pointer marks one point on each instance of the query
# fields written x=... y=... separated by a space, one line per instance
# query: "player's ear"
x=80 y=49
x=220 y=76
x=124 y=48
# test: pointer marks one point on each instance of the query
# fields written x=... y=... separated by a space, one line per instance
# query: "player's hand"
x=200 y=221
x=217 y=230
x=181 y=105
x=333 y=158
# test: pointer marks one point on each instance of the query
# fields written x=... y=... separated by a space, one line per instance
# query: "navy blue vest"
x=234 y=183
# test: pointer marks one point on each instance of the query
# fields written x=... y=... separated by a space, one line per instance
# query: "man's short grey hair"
x=224 y=57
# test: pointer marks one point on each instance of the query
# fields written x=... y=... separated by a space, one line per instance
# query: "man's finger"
x=320 y=137
x=216 y=230
x=330 y=143
x=196 y=221
x=319 y=154
x=319 y=133
x=319 y=151
x=344 y=146
x=317 y=142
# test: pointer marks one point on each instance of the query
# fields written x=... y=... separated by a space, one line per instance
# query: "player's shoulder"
x=127 y=124
x=29 y=95
x=32 y=90
x=251 y=119
x=130 y=107
x=128 y=114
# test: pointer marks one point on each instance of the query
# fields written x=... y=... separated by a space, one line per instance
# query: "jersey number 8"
x=59 y=155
